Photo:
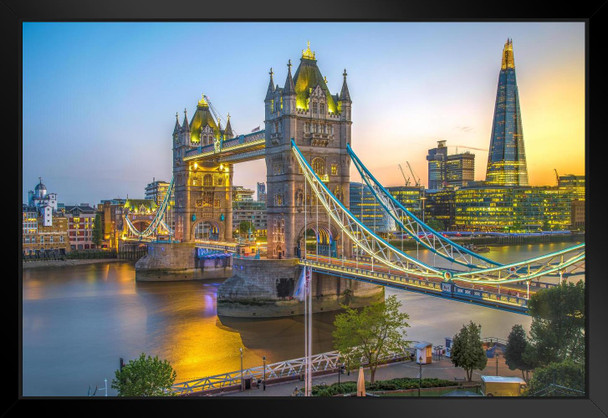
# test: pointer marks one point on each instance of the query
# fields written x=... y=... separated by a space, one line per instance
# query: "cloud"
x=465 y=128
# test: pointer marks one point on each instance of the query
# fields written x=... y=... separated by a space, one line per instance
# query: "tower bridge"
x=306 y=144
x=205 y=153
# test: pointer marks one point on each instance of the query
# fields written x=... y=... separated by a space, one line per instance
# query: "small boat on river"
x=477 y=248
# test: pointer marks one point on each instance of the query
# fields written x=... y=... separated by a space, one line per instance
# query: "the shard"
x=506 y=157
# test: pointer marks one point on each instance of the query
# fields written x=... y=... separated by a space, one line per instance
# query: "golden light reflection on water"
x=103 y=311
x=185 y=329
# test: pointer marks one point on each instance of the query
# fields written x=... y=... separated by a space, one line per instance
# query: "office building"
x=449 y=170
x=506 y=156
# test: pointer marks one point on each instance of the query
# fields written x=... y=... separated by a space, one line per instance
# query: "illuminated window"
x=208 y=180
x=318 y=165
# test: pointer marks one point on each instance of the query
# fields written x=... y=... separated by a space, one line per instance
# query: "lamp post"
x=419 y=374
x=242 y=382
x=264 y=377
x=422 y=199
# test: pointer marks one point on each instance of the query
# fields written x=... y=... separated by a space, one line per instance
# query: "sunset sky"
x=99 y=99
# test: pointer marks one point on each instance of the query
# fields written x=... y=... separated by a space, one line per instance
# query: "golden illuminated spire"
x=203 y=102
x=507 y=56
x=307 y=53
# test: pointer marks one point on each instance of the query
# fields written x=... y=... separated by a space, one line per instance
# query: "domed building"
x=45 y=232
x=44 y=202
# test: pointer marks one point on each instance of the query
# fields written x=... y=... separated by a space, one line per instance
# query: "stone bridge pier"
x=264 y=288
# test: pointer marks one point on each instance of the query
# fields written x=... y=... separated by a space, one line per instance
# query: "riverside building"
x=366 y=208
x=449 y=170
x=81 y=221
x=44 y=228
x=112 y=222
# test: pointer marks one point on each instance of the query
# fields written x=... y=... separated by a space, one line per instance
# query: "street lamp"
x=496 y=355
x=264 y=378
x=419 y=374
x=242 y=382
x=340 y=371
x=423 y=198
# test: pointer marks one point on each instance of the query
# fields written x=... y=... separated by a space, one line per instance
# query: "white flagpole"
x=305 y=332
x=305 y=297
x=309 y=361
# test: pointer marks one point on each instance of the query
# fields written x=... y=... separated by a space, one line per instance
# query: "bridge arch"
x=207 y=230
x=136 y=228
x=141 y=224
x=319 y=236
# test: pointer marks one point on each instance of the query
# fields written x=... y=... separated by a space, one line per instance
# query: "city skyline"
x=99 y=99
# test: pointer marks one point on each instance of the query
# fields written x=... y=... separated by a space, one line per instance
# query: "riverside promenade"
x=441 y=369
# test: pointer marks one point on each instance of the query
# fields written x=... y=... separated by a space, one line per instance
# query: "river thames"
x=78 y=321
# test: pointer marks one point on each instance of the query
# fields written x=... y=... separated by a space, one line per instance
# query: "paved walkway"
x=442 y=369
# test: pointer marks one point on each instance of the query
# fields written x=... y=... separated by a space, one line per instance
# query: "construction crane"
x=216 y=113
x=413 y=175
x=407 y=180
x=467 y=147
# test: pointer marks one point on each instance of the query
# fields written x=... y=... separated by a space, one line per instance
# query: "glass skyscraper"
x=506 y=157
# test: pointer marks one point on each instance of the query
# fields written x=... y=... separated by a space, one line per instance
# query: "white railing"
x=290 y=368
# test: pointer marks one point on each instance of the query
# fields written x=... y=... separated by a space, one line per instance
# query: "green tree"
x=145 y=376
x=566 y=378
x=244 y=227
x=557 y=332
x=434 y=223
x=515 y=352
x=467 y=350
x=97 y=231
x=367 y=335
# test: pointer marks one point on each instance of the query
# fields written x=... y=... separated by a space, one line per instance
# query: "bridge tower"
x=202 y=191
x=320 y=123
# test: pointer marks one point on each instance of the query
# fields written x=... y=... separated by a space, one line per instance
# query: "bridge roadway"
x=512 y=297
x=503 y=297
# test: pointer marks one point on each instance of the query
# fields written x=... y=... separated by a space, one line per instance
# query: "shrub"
x=403 y=383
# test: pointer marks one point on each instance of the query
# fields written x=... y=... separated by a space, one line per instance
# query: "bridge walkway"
x=501 y=297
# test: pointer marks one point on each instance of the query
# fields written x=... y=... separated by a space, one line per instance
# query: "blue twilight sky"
x=99 y=99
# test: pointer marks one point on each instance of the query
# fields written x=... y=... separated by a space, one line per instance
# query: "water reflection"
x=285 y=335
x=78 y=321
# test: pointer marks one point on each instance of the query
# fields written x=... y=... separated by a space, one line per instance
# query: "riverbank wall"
x=178 y=261
x=265 y=288
x=67 y=262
